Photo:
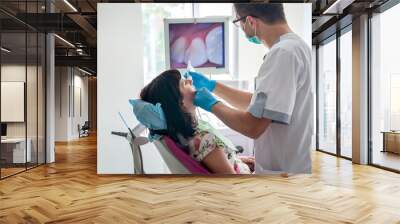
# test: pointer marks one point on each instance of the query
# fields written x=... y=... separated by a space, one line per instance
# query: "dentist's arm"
x=240 y=121
x=237 y=98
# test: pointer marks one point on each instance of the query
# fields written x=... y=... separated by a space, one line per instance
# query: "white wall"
x=61 y=104
x=298 y=16
x=119 y=78
x=79 y=117
x=67 y=81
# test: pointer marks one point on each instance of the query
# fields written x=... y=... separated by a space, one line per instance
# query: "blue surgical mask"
x=254 y=39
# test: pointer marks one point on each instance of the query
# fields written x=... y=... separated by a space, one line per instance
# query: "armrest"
x=240 y=149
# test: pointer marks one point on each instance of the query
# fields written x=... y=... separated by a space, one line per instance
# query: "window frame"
x=27 y=29
x=334 y=37
x=380 y=9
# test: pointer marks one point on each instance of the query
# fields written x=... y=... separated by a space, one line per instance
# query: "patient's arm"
x=249 y=161
x=217 y=162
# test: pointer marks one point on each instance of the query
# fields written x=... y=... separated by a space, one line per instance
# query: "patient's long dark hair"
x=164 y=89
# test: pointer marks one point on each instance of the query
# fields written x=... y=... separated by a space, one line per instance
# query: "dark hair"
x=164 y=89
x=268 y=12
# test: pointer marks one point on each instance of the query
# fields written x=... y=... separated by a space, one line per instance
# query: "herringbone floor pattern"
x=69 y=191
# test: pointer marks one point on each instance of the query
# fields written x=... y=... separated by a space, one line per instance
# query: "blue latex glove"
x=204 y=99
x=150 y=115
x=200 y=81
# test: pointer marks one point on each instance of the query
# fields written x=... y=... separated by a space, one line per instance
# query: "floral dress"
x=207 y=139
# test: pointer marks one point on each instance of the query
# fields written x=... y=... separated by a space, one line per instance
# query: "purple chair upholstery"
x=191 y=165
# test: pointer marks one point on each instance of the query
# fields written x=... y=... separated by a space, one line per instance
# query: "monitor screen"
x=201 y=43
x=3 y=129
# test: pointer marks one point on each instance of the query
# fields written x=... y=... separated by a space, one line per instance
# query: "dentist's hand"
x=200 y=81
x=204 y=99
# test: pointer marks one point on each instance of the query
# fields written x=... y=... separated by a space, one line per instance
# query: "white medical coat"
x=284 y=95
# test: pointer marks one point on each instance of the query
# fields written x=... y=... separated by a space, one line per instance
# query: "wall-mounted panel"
x=12 y=98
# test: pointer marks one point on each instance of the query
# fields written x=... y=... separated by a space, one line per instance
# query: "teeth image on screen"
x=196 y=52
x=178 y=50
x=202 y=44
x=214 y=45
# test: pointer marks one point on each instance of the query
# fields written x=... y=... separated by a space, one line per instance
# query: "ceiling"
x=76 y=22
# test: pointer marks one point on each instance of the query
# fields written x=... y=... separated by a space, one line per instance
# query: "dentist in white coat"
x=279 y=114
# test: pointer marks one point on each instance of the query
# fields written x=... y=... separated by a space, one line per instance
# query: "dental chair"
x=177 y=161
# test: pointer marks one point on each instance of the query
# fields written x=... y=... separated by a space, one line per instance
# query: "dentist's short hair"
x=270 y=13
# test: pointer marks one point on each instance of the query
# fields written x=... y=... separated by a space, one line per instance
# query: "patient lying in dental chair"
x=198 y=138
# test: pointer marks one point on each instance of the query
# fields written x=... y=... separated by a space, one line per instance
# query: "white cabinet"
x=16 y=146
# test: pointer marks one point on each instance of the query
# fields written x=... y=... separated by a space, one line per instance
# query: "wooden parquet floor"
x=70 y=191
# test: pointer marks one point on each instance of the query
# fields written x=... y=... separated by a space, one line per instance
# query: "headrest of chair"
x=150 y=115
